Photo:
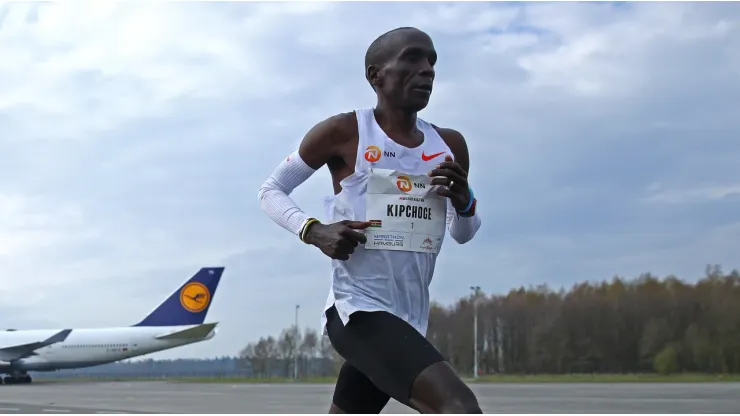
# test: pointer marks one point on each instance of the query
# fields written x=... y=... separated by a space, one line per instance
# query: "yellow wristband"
x=302 y=234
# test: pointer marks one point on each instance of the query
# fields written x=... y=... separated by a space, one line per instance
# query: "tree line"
x=277 y=356
x=640 y=325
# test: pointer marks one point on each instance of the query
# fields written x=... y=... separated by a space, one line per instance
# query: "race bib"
x=405 y=211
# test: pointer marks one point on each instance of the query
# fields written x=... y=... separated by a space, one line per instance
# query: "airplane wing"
x=196 y=332
x=26 y=350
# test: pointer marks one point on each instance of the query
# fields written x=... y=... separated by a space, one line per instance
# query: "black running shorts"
x=383 y=356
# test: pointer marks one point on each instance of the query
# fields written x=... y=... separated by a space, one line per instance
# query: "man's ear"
x=373 y=75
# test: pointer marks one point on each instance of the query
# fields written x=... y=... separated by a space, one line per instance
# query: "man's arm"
x=317 y=147
x=462 y=227
x=322 y=143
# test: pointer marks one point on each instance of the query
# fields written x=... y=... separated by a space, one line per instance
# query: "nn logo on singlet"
x=405 y=185
x=373 y=154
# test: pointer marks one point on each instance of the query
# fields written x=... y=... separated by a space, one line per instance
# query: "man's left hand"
x=454 y=181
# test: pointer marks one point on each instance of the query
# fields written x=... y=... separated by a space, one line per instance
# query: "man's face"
x=406 y=79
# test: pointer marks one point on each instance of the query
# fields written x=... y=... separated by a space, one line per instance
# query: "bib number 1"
x=405 y=213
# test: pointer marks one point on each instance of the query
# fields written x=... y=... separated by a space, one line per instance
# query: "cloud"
x=603 y=141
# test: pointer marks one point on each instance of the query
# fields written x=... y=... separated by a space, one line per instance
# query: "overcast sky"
x=604 y=139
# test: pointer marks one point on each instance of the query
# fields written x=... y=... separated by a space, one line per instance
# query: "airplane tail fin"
x=189 y=304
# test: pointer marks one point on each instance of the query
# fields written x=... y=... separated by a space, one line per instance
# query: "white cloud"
x=26 y=225
x=707 y=192
x=135 y=136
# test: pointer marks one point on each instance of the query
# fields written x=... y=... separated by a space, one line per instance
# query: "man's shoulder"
x=341 y=125
x=328 y=139
x=456 y=142
x=452 y=137
x=342 y=119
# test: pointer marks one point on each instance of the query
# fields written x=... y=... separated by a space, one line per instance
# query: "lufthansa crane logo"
x=195 y=297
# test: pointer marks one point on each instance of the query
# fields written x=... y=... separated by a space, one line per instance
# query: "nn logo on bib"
x=405 y=185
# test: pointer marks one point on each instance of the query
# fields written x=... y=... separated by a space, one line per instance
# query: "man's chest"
x=387 y=154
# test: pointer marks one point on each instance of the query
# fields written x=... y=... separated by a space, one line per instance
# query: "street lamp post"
x=476 y=290
x=295 y=353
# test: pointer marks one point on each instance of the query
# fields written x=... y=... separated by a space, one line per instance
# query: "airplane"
x=176 y=322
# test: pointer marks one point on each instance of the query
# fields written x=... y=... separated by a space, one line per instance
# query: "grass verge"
x=606 y=378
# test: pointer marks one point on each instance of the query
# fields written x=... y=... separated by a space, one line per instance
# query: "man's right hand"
x=337 y=240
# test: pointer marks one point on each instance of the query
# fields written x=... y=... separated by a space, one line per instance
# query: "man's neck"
x=395 y=120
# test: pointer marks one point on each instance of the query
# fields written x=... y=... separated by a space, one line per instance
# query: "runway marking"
x=56 y=410
x=9 y=409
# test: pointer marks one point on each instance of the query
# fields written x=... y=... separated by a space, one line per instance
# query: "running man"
x=399 y=184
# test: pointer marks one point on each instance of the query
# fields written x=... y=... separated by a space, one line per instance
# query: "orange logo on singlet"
x=403 y=183
x=372 y=154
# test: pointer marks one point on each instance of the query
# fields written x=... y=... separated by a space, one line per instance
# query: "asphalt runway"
x=165 y=397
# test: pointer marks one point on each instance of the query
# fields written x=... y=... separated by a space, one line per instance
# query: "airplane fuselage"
x=91 y=347
x=175 y=322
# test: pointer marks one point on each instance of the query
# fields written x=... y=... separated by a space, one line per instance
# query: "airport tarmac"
x=170 y=397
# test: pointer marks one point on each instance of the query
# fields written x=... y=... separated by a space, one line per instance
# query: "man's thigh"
x=355 y=393
x=383 y=347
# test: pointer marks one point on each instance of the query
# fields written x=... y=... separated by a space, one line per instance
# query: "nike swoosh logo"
x=430 y=157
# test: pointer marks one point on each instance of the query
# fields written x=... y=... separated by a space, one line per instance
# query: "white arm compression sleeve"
x=462 y=229
x=273 y=194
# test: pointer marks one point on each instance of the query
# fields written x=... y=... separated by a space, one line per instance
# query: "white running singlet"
x=391 y=188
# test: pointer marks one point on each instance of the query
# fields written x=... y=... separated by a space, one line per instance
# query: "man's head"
x=399 y=65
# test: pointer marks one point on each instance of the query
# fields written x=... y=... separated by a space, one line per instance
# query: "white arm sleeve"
x=273 y=194
x=462 y=229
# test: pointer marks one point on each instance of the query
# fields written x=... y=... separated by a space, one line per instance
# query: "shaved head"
x=386 y=45
x=383 y=46
x=399 y=66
